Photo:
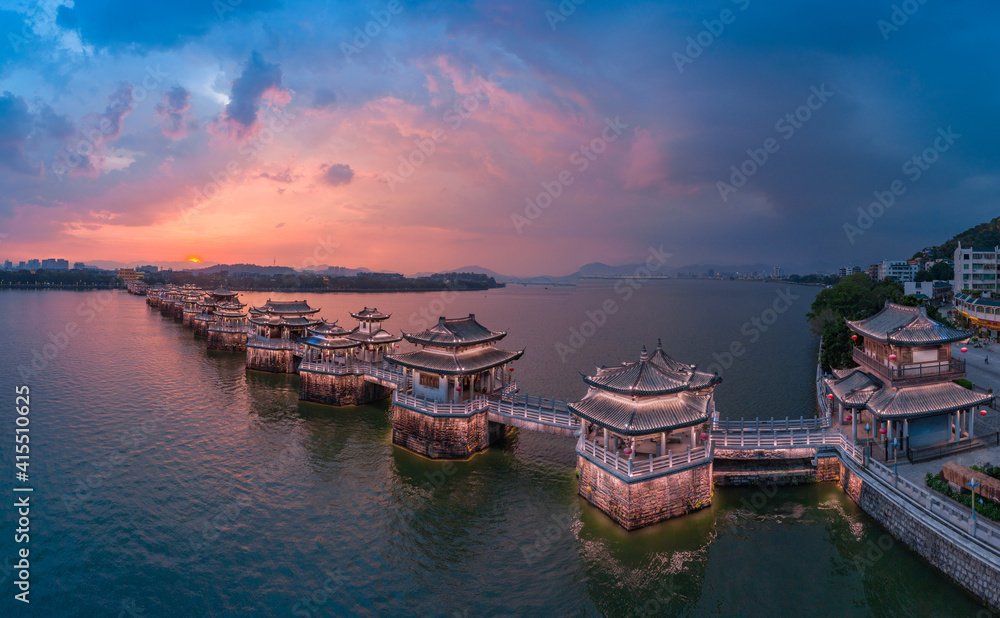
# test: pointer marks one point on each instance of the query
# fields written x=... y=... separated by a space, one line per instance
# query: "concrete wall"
x=350 y=390
x=910 y=526
x=443 y=437
x=634 y=505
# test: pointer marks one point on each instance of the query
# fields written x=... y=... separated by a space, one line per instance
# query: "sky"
x=525 y=136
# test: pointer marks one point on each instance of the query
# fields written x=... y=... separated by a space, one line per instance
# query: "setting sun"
x=193 y=258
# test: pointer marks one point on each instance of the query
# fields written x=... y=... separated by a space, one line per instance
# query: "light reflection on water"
x=169 y=480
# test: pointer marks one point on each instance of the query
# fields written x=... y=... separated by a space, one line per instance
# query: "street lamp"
x=973 y=484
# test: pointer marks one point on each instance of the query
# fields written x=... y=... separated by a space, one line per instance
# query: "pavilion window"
x=430 y=381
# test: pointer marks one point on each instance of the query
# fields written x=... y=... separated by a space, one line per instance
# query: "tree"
x=942 y=271
x=923 y=275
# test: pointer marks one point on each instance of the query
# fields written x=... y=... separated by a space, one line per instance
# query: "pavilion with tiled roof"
x=277 y=327
x=641 y=432
x=373 y=341
x=904 y=383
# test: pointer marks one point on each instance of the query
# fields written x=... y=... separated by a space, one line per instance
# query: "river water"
x=170 y=481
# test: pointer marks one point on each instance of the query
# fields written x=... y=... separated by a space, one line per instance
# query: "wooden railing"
x=951 y=368
x=436 y=407
x=636 y=467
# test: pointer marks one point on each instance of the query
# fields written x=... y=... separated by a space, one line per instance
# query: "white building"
x=900 y=270
x=976 y=268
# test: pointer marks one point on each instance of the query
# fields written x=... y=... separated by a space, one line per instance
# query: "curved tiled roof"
x=444 y=363
x=290 y=307
x=924 y=400
x=906 y=326
x=629 y=417
x=329 y=343
x=653 y=374
x=379 y=336
x=455 y=332
x=854 y=388
x=328 y=328
x=370 y=314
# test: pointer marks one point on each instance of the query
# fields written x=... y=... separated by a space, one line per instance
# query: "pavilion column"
x=906 y=433
x=972 y=423
x=606 y=439
x=663 y=443
x=854 y=425
x=693 y=443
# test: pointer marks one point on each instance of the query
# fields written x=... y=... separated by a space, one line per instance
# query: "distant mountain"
x=336 y=271
x=478 y=270
x=983 y=235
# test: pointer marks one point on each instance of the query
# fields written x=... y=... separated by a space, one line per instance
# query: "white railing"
x=223 y=328
x=775 y=440
x=771 y=424
x=636 y=467
x=938 y=505
x=548 y=412
x=436 y=407
x=381 y=373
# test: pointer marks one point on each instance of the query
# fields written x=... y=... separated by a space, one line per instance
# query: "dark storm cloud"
x=130 y=25
x=172 y=109
x=337 y=174
x=258 y=77
x=15 y=129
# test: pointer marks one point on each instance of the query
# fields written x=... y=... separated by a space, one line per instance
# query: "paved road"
x=986 y=376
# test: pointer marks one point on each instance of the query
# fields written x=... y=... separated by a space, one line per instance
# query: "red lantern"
x=982 y=413
x=883 y=430
x=892 y=357
x=854 y=337
x=848 y=418
x=703 y=437
x=964 y=350
x=510 y=369
x=830 y=396
x=627 y=451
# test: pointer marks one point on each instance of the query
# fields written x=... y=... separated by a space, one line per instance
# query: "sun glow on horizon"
x=194 y=258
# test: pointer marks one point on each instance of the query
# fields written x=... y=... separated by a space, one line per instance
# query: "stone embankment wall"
x=911 y=526
x=634 y=505
x=348 y=390
x=740 y=473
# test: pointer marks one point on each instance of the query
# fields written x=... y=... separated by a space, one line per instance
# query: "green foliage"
x=988 y=470
x=963 y=382
x=984 y=507
x=853 y=298
x=983 y=235
x=942 y=271
x=923 y=275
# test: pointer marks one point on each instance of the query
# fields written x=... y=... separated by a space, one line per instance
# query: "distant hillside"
x=247 y=268
x=983 y=235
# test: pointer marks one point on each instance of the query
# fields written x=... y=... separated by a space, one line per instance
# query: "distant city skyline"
x=495 y=134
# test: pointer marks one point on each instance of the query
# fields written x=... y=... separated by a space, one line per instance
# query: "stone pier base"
x=225 y=341
x=443 y=437
x=778 y=472
x=271 y=360
x=201 y=327
x=187 y=318
x=642 y=503
x=342 y=390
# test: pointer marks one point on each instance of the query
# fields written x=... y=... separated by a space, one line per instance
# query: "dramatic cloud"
x=337 y=174
x=258 y=78
x=15 y=128
x=172 y=110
